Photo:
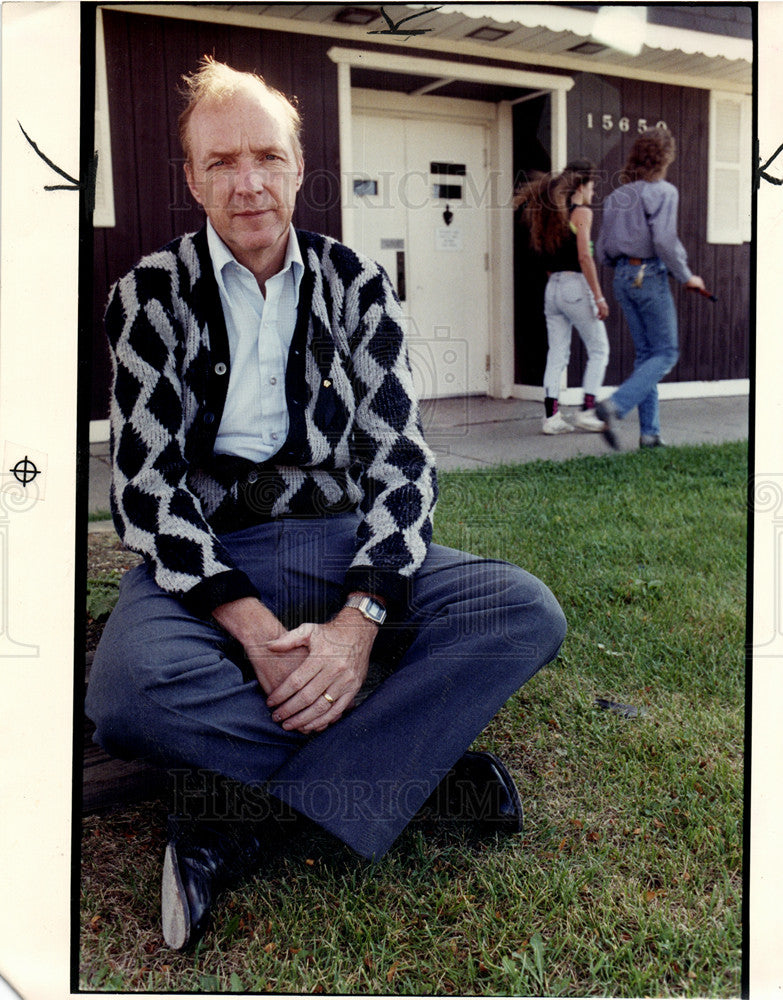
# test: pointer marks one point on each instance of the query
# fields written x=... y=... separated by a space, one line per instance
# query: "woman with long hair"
x=556 y=211
x=639 y=240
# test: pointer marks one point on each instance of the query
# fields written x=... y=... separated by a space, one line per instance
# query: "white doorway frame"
x=500 y=221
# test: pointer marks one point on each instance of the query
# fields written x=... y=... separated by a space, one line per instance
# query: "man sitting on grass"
x=269 y=464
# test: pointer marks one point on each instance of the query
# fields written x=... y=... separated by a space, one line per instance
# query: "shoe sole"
x=585 y=427
x=515 y=824
x=174 y=909
x=610 y=435
x=560 y=430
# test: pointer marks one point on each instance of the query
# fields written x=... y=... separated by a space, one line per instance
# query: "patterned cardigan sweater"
x=355 y=440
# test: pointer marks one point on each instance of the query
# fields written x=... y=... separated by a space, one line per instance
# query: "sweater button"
x=252 y=477
x=209 y=419
x=221 y=368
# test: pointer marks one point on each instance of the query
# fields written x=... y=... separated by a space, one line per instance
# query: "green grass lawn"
x=627 y=879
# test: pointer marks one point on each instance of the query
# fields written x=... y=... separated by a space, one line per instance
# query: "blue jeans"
x=176 y=690
x=652 y=321
x=568 y=302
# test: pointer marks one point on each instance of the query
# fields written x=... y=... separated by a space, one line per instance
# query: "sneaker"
x=556 y=424
x=651 y=441
x=606 y=412
x=586 y=420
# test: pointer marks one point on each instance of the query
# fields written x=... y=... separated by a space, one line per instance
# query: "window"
x=729 y=193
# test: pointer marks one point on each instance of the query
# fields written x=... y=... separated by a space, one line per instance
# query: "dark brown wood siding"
x=147 y=55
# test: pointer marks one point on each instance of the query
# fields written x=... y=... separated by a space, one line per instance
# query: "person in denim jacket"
x=639 y=240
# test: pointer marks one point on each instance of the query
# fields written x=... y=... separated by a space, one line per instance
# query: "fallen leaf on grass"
x=624 y=711
x=392 y=972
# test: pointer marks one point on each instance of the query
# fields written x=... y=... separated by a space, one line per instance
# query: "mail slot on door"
x=447 y=190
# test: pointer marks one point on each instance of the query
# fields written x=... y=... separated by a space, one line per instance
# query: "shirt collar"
x=222 y=257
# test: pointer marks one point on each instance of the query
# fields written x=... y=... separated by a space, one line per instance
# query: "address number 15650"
x=607 y=123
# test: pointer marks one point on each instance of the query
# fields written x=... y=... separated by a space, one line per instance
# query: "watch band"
x=372 y=610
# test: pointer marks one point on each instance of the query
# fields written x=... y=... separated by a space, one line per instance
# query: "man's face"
x=244 y=172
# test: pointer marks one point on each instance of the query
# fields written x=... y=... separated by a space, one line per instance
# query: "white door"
x=419 y=199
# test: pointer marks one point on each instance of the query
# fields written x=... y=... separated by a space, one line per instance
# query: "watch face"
x=373 y=610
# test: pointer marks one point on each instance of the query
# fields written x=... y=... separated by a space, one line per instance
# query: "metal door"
x=420 y=200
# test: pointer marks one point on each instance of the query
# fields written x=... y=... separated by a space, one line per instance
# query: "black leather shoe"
x=478 y=789
x=200 y=860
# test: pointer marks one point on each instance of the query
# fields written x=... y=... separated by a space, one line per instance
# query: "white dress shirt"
x=254 y=424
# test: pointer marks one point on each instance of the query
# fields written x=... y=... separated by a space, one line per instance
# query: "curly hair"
x=650 y=156
x=218 y=81
x=543 y=204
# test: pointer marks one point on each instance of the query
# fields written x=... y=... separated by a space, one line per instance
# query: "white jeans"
x=568 y=302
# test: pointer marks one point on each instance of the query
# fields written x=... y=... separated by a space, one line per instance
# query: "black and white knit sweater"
x=355 y=438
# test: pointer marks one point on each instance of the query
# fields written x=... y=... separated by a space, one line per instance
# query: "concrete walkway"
x=472 y=432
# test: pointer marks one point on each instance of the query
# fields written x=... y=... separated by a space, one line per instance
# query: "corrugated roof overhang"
x=543 y=35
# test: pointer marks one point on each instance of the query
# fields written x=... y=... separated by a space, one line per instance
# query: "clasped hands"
x=297 y=668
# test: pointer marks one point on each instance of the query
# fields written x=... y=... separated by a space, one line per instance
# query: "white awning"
x=557 y=19
x=537 y=34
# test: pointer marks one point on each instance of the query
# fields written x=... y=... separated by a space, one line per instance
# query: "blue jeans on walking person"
x=568 y=302
x=652 y=321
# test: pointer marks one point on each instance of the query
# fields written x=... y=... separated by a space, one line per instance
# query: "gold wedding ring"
x=329 y=698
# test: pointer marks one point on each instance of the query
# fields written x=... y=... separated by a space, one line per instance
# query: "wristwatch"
x=372 y=610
